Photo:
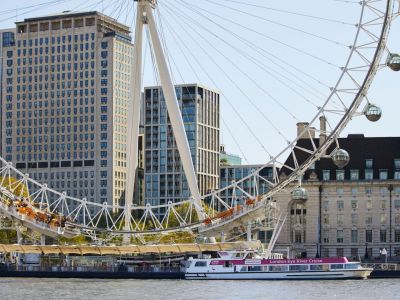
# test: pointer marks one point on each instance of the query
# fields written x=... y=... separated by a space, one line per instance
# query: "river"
x=80 y=289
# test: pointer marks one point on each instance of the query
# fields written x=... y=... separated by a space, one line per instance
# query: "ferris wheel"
x=247 y=50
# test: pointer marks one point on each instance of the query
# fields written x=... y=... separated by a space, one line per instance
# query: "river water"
x=77 y=289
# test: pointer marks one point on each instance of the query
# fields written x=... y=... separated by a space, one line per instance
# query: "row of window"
x=355 y=174
x=59 y=39
x=354 y=219
x=354 y=204
x=355 y=236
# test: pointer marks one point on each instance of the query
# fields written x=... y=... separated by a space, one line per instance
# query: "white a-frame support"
x=144 y=16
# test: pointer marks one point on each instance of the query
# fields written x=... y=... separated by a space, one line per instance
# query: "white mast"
x=145 y=17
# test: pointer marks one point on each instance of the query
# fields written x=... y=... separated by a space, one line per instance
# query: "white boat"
x=250 y=264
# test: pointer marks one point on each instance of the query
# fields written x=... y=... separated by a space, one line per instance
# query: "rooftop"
x=382 y=150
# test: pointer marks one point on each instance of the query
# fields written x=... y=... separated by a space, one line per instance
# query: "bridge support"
x=42 y=240
x=248 y=233
x=19 y=234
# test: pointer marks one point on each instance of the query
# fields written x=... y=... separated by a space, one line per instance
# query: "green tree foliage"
x=77 y=240
x=11 y=184
x=8 y=236
x=183 y=210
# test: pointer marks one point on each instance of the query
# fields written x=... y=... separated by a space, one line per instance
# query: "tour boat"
x=251 y=265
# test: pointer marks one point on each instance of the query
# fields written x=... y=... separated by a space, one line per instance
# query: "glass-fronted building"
x=164 y=177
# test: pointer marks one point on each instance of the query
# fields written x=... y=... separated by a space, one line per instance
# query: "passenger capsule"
x=299 y=194
x=372 y=112
x=393 y=62
x=340 y=158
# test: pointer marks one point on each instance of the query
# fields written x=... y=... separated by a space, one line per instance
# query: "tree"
x=18 y=189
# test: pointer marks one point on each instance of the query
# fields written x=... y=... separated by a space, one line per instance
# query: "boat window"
x=243 y=269
x=298 y=268
x=337 y=267
x=255 y=269
x=278 y=268
x=200 y=264
x=316 y=267
x=352 y=266
x=238 y=255
x=228 y=264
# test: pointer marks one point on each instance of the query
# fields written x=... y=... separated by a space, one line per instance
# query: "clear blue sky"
x=261 y=57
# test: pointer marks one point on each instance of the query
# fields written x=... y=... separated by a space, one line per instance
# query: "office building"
x=164 y=177
x=354 y=211
x=66 y=88
x=7 y=39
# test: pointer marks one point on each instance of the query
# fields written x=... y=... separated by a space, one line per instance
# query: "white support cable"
x=234 y=83
x=259 y=63
x=278 y=23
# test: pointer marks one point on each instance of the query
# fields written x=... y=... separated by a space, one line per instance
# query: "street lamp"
x=390 y=188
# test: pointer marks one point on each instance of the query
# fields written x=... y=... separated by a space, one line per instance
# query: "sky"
x=272 y=61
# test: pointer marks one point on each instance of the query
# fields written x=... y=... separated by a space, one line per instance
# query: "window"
x=354 y=236
x=354 y=252
x=368 y=236
x=339 y=236
x=325 y=205
x=397 y=236
x=383 y=174
x=368 y=218
x=369 y=163
x=326 y=175
x=340 y=219
x=354 y=203
x=369 y=174
x=200 y=264
x=340 y=204
x=339 y=174
x=397 y=203
x=278 y=268
x=383 y=219
x=298 y=267
x=325 y=235
x=354 y=218
x=354 y=192
x=368 y=191
x=383 y=204
x=397 y=219
x=368 y=204
x=339 y=252
x=326 y=219
x=397 y=163
x=382 y=236
x=339 y=192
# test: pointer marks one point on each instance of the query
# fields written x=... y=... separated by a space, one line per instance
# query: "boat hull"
x=340 y=274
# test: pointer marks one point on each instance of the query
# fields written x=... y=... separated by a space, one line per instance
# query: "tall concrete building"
x=164 y=177
x=7 y=39
x=66 y=89
x=354 y=211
